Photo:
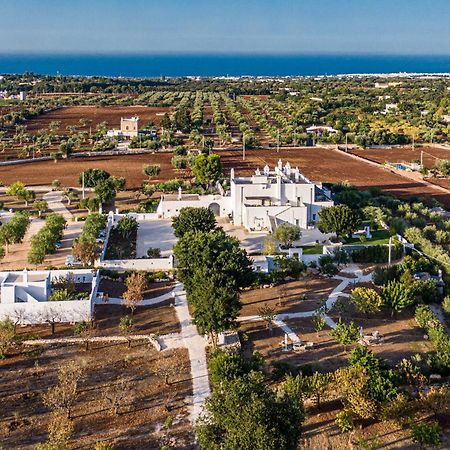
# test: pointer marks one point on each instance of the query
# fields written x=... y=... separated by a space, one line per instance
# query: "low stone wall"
x=148 y=264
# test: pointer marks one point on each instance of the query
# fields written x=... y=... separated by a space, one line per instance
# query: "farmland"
x=91 y=116
x=318 y=164
x=150 y=343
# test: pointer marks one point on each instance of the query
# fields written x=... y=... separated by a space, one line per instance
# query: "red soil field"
x=71 y=116
x=318 y=164
x=404 y=154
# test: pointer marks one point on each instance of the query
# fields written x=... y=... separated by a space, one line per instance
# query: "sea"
x=216 y=65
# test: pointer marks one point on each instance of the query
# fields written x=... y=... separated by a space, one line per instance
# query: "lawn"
x=379 y=237
x=313 y=250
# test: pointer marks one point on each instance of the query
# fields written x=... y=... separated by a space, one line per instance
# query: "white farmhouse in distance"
x=260 y=202
x=321 y=129
x=24 y=296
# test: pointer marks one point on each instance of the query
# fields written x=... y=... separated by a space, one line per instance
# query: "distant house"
x=390 y=108
x=321 y=129
x=129 y=128
x=25 y=296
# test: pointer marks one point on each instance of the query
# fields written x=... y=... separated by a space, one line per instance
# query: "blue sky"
x=225 y=26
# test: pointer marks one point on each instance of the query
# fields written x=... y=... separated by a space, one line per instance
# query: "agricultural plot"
x=94 y=115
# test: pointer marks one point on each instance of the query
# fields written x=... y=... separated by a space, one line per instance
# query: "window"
x=314 y=216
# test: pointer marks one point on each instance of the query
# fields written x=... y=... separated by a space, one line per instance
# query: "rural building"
x=321 y=129
x=129 y=127
x=25 y=296
x=267 y=199
x=260 y=202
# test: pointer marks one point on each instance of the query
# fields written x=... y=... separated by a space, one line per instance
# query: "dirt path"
x=337 y=292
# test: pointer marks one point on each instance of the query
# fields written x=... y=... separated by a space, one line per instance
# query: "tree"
x=85 y=249
x=127 y=226
x=90 y=204
x=339 y=219
x=270 y=245
x=366 y=300
x=62 y=397
x=268 y=314
x=207 y=168
x=397 y=296
x=40 y=206
x=118 y=395
x=215 y=303
x=85 y=330
x=318 y=323
x=92 y=177
x=287 y=233
x=69 y=196
x=136 y=286
x=105 y=190
x=215 y=251
x=351 y=384
x=26 y=195
x=14 y=188
x=152 y=170
x=245 y=414
x=7 y=336
x=126 y=325
x=226 y=365
x=345 y=334
x=60 y=430
x=14 y=231
x=193 y=219
x=426 y=435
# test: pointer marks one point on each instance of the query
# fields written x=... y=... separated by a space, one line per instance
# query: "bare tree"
x=62 y=397
x=52 y=316
x=118 y=395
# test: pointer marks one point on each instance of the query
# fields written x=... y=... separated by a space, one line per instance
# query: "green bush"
x=376 y=254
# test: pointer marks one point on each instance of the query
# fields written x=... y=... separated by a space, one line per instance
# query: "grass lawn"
x=379 y=237
x=313 y=250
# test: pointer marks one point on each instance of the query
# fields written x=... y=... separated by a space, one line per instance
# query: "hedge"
x=437 y=334
x=376 y=254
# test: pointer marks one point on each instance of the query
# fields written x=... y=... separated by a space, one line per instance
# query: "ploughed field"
x=70 y=116
x=404 y=154
x=318 y=164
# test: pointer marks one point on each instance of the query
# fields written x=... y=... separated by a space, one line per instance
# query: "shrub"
x=426 y=435
x=376 y=254
x=226 y=365
x=446 y=306
x=154 y=252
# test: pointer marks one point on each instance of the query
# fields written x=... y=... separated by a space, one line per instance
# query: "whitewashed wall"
x=149 y=264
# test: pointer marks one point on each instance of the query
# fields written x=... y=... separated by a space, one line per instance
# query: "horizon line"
x=223 y=54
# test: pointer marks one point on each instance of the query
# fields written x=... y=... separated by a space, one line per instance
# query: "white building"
x=260 y=202
x=267 y=199
x=129 y=128
x=24 y=296
x=321 y=129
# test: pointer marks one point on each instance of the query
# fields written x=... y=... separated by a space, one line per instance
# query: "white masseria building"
x=260 y=202
x=25 y=296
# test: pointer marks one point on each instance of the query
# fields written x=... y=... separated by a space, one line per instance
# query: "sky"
x=225 y=26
